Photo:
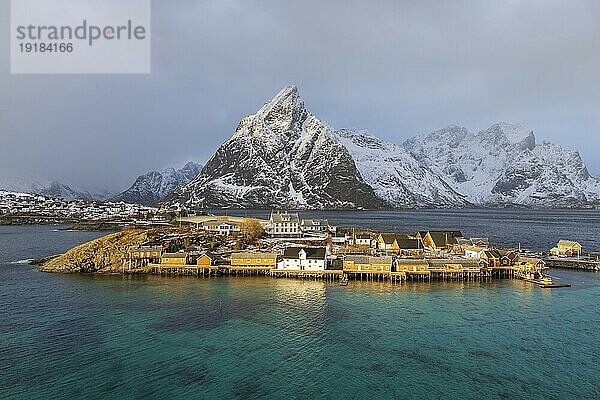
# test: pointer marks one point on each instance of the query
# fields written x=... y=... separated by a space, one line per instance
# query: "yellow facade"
x=569 y=245
x=204 y=261
x=393 y=246
x=352 y=266
x=144 y=254
x=367 y=264
x=407 y=265
x=174 y=259
x=266 y=260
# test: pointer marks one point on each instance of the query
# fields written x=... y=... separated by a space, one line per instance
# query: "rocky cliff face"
x=150 y=188
x=280 y=156
x=503 y=165
x=103 y=255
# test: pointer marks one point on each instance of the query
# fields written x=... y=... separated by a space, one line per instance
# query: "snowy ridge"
x=52 y=189
x=154 y=186
x=503 y=165
x=395 y=175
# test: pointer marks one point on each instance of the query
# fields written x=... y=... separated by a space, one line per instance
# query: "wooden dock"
x=395 y=277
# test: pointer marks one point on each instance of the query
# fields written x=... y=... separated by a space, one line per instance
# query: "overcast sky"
x=393 y=68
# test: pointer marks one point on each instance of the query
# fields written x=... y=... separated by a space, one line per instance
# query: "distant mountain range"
x=147 y=189
x=52 y=188
x=154 y=186
x=283 y=156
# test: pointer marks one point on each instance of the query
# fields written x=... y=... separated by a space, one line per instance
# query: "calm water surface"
x=66 y=336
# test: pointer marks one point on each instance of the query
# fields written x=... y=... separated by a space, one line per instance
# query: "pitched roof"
x=314 y=222
x=314 y=253
x=359 y=259
x=492 y=253
x=442 y=238
x=473 y=241
x=209 y=254
x=410 y=261
x=284 y=217
x=175 y=255
x=388 y=238
x=568 y=243
x=409 y=244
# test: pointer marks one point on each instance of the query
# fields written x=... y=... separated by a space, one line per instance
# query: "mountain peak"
x=514 y=134
x=153 y=186
x=286 y=98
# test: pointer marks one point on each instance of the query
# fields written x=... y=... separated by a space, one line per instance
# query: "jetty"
x=439 y=272
x=585 y=264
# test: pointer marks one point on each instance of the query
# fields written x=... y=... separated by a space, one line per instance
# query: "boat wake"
x=26 y=261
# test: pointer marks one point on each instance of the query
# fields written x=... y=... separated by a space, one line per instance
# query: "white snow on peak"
x=503 y=165
x=514 y=134
x=286 y=97
x=52 y=188
x=395 y=175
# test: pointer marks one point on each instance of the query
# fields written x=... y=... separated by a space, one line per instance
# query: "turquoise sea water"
x=86 y=336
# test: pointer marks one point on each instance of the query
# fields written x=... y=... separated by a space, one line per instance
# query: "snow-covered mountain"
x=395 y=175
x=280 y=156
x=52 y=188
x=154 y=186
x=283 y=156
x=503 y=165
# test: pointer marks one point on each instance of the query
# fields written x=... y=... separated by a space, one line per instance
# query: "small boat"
x=344 y=281
x=546 y=282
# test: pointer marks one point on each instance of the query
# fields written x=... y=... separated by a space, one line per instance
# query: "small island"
x=286 y=245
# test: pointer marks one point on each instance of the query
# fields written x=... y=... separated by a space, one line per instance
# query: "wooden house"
x=316 y=226
x=283 y=225
x=440 y=240
x=360 y=263
x=498 y=258
x=206 y=259
x=409 y=246
x=363 y=239
x=145 y=252
x=566 y=248
x=255 y=260
x=303 y=258
x=389 y=241
x=179 y=258
x=473 y=251
x=411 y=265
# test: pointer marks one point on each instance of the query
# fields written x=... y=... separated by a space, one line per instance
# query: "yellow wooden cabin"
x=438 y=240
x=206 y=260
x=174 y=258
x=566 y=248
x=144 y=252
x=412 y=265
x=390 y=241
x=256 y=260
x=360 y=263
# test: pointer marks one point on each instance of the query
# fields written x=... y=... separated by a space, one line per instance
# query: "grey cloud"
x=394 y=68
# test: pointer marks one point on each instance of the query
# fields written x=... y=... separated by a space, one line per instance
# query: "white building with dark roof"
x=283 y=225
x=303 y=258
